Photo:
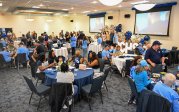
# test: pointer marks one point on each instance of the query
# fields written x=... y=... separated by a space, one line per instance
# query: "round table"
x=95 y=47
x=61 y=52
x=82 y=77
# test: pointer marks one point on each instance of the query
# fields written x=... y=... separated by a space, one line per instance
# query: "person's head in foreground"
x=156 y=45
x=77 y=53
x=64 y=67
x=169 y=79
x=142 y=66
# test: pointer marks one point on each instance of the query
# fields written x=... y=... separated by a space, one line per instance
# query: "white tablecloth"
x=16 y=44
x=62 y=51
x=95 y=48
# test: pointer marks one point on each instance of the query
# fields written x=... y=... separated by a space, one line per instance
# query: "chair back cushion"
x=30 y=84
x=96 y=84
x=132 y=86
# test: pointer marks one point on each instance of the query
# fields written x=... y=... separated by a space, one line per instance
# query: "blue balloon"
x=119 y=28
x=142 y=41
x=128 y=35
x=146 y=38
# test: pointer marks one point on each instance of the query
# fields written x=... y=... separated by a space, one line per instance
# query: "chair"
x=3 y=62
x=101 y=65
x=130 y=52
x=126 y=68
x=1 y=46
x=20 y=59
x=133 y=88
x=157 y=69
x=95 y=87
x=106 y=72
x=40 y=90
x=61 y=94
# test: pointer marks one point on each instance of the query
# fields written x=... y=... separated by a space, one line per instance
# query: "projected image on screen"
x=154 y=23
x=96 y=24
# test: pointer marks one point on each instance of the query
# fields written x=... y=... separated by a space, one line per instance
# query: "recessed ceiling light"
x=94 y=2
x=49 y=20
x=0 y=4
x=95 y=10
x=35 y=7
x=139 y=2
x=65 y=9
x=86 y=11
x=41 y=5
x=66 y=15
x=120 y=6
x=72 y=8
x=30 y=19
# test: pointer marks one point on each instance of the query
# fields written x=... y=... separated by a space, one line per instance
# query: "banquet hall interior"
x=89 y=56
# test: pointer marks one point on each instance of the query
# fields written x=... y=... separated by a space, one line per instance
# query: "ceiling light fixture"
x=30 y=19
x=36 y=7
x=86 y=11
x=110 y=2
x=120 y=6
x=0 y=4
x=95 y=10
x=49 y=20
x=65 y=9
x=144 y=7
x=72 y=8
x=41 y=5
x=94 y=2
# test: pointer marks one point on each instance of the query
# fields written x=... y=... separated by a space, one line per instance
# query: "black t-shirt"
x=40 y=49
x=154 y=56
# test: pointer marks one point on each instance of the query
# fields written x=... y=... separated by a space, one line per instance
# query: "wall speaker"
x=110 y=17
x=71 y=20
x=127 y=16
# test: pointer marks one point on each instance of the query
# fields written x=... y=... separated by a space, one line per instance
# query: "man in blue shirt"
x=165 y=90
x=6 y=55
x=106 y=55
x=4 y=43
x=73 y=44
x=84 y=46
x=154 y=55
x=99 y=40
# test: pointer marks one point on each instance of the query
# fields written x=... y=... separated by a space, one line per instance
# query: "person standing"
x=73 y=40
x=84 y=46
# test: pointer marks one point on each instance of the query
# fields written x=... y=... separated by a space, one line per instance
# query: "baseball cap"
x=156 y=43
x=144 y=63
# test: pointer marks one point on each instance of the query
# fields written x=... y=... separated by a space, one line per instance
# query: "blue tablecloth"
x=82 y=77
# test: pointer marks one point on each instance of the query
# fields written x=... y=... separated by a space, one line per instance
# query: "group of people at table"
x=139 y=70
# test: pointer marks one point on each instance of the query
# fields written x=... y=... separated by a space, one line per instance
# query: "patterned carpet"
x=15 y=94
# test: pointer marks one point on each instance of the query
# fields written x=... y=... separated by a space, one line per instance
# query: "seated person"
x=41 y=63
x=99 y=39
x=117 y=51
x=135 y=62
x=77 y=59
x=22 y=49
x=7 y=55
x=66 y=77
x=51 y=57
x=93 y=60
x=112 y=48
x=60 y=60
x=106 y=55
x=4 y=43
x=164 y=89
x=140 y=76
